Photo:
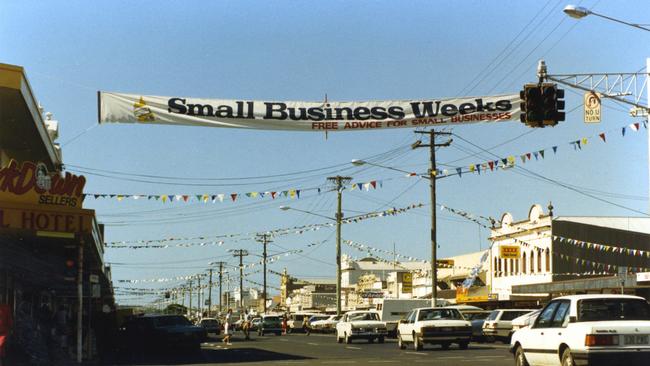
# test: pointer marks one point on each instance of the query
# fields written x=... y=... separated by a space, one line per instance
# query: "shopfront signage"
x=32 y=183
x=407 y=283
x=305 y=116
x=45 y=220
x=509 y=251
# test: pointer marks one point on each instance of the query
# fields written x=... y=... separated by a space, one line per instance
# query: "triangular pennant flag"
x=318 y=190
x=504 y=161
x=120 y=197
x=528 y=156
x=233 y=196
x=623 y=131
x=602 y=136
x=221 y=196
x=205 y=198
x=373 y=183
x=554 y=149
x=478 y=168
x=459 y=171
x=635 y=126
x=491 y=164
x=186 y=197
x=198 y=197
x=584 y=141
x=292 y=193
x=472 y=168
x=366 y=186
x=541 y=153
x=248 y=194
x=359 y=185
x=536 y=155
x=273 y=194
x=96 y=196
x=297 y=193
x=523 y=158
x=353 y=187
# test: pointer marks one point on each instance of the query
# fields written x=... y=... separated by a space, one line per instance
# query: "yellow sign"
x=407 y=282
x=592 y=107
x=509 y=251
x=480 y=294
x=445 y=263
x=46 y=221
x=32 y=183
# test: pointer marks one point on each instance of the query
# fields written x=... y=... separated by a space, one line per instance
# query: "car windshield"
x=363 y=316
x=168 y=321
x=493 y=315
x=438 y=314
x=611 y=309
x=475 y=316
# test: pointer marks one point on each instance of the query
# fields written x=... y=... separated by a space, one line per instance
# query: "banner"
x=305 y=116
x=509 y=251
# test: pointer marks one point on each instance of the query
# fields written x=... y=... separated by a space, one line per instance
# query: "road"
x=321 y=349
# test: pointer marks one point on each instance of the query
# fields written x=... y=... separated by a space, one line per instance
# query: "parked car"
x=441 y=326
x=391 y=311
x=360 y=325
x=326 y=325
x=154 y=331
x=270 y=324
x=211 y=325
x=524 y=320
x=586 y=330
x=294 y=322
x=477 y=318
x=316 y=318
x=255 y=324
x=498 y=325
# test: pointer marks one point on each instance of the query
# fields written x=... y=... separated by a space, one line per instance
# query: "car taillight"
x=601 y=340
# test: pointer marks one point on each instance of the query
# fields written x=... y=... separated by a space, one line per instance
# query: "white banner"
x=305 y=116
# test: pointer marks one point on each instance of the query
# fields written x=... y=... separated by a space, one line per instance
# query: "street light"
x=579 y=12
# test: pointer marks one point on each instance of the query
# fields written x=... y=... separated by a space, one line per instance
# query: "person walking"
x=246 y=325
x=6 y=325
x=227 y=328
x=284 y=324
x=305 y=325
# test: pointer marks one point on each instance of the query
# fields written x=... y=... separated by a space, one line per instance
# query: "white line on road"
x=350 y=347
x=312 y=344
x=491 y=357
x=450 y=357
x=284 y=340
x=382 y=361
x=339 y=362
x=417 y=353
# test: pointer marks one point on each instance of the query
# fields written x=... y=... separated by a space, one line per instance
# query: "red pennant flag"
x=491 y=164
x=233 y=196
x=528 y=156
x=273 y=194
x=635 y=126
x=373 y=183
x=185 y=198
x=602 y=136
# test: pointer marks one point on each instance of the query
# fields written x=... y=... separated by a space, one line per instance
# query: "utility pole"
x=198 y=295
x=241 y=253
x=264 y=239
x=432 y=183
x=340 y=182
x=190 y=297
x=210 y=295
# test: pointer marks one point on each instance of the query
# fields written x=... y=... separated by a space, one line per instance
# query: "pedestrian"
x=305 y=324
x=227 y=328
x=284 y=324
x=246 y=325
x=6 y=325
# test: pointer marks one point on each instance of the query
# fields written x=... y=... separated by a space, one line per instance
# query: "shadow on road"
x=178 y=357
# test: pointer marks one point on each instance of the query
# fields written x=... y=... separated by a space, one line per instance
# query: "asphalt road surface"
x=320 y=349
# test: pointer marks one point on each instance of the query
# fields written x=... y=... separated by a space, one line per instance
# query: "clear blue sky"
x=301 y=50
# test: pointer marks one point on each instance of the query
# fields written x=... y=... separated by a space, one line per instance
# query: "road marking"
x=450 y=357
x=382 y=361
x=417 y=353
x=312 y=344
x=350 y=347
x=492 y=357
x=339 y=362
x=284 y=340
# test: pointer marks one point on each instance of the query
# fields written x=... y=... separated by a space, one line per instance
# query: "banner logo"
x=142 y=112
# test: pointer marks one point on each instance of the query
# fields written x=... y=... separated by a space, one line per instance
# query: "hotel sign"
x=31 y=183
x=509 y=251
x=45 y=220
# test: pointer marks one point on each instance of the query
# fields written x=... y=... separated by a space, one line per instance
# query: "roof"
x=366 y=265
x=597 y=296
x=637 y=224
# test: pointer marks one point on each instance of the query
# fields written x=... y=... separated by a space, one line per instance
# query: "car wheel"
x=400 y=342
x=381 y=340
x=520 y=358
x=463 y=345
x=567 y=358
x=348 y=340
x=445 y=345
x=417 y=344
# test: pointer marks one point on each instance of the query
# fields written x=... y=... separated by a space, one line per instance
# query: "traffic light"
x=531 y=106
x=553 y=105
x=542 y=105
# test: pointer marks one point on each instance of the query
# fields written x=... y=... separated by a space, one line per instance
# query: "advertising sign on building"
x=305 y=116
x=407 y=283
x=31 y=183
x=509 y=251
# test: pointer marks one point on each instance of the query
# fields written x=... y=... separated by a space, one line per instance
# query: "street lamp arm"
x=284 y=208
x=620 y=21
x=363 y=162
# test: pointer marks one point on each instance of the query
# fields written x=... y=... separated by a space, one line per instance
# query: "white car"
x=524 y=321
x=586 y=330
x=442 y=326
x=326 y=325
x=498 y=325
x=360 y=325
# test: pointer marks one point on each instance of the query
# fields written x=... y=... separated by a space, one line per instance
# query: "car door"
x=406 y=327
x=553 y=335
x=534 y=343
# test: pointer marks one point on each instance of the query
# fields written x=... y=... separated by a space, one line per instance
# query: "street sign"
x=407 y=282
x=592 y=107
x=509 y=251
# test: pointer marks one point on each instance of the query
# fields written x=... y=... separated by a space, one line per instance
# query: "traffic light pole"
x=432 y=184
